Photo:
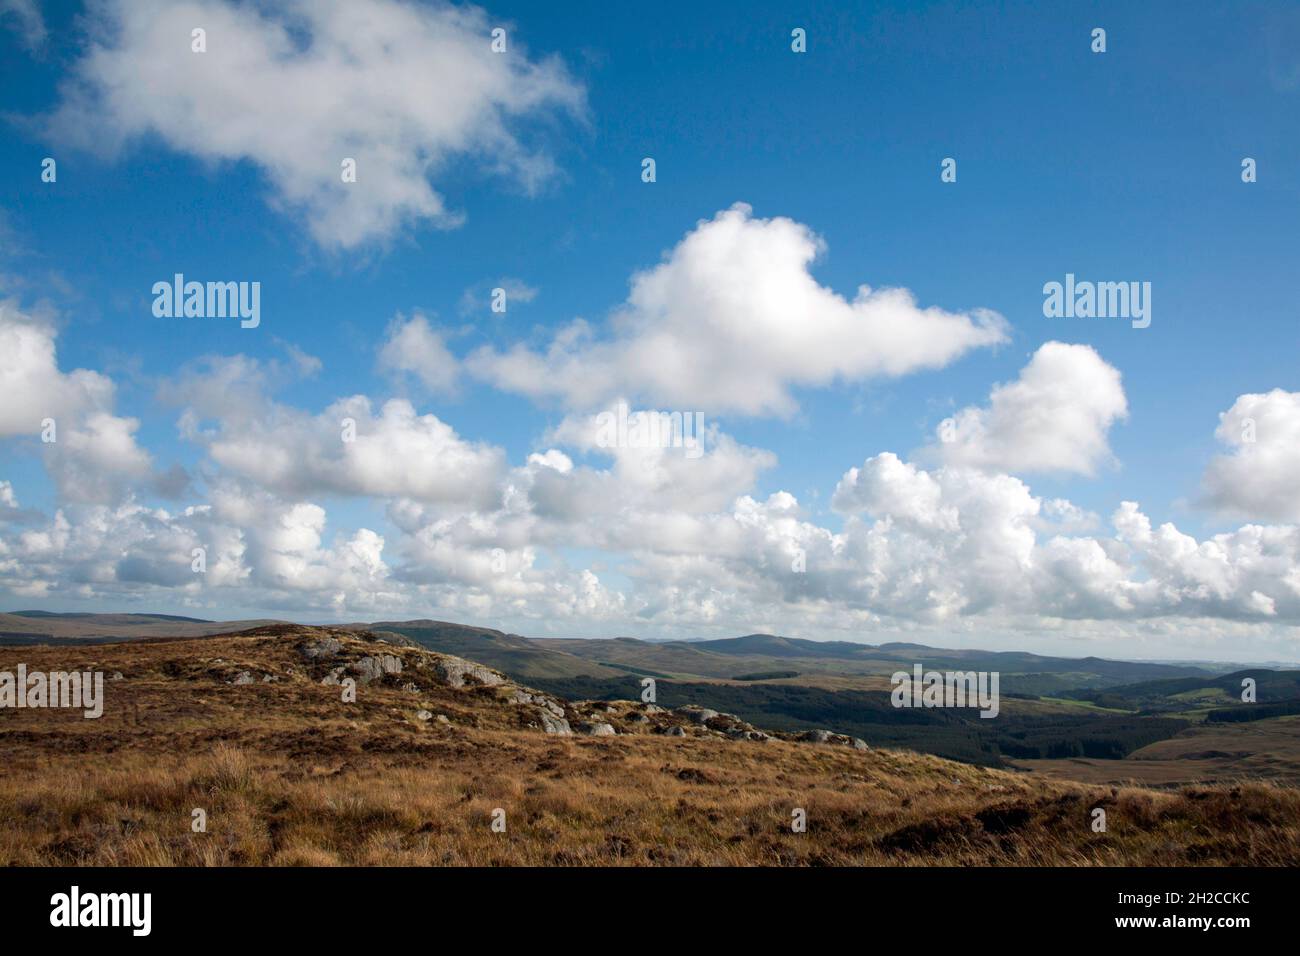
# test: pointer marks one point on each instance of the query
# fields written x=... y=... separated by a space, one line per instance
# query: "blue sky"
x=1115 y=166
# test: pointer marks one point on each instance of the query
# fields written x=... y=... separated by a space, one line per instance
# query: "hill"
x=39 y=627
x=518 y=656
x=253 y=730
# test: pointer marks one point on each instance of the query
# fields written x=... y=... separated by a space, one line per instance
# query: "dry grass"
x=290 y=776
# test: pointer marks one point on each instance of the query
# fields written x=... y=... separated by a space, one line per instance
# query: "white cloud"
x=403 y=88
x=588 y=535
x=1260 y=478
x=1053 y=418
x=732 y=320
x=94 y=456
x=412 y=345
x=396 y=453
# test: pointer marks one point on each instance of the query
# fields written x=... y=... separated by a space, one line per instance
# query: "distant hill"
x=43 y=627
x=108 y=618
x=1203 y=693
x=517 y=656
x=728 y=658
x=753 y=653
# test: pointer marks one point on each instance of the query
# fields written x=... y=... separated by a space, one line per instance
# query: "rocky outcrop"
x=456 y=671
x=325 y=647
x=700 y=715
x=555 y=725
x=376 y=666
x=335 y=654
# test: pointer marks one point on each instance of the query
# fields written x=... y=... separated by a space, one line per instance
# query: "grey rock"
x=675 y=731
x=860 y=744
x=555 y=725
x=816 y=736
x=244 y=677
x=117 y=675
x=457 y=671
x=424 y=715
x=653 y=709
x=334 y=676
x=597 y=728
x=323 y=647
x=372 y=668
x=442 y=719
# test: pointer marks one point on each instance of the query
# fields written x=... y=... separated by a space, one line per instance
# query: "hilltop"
x=252 y=729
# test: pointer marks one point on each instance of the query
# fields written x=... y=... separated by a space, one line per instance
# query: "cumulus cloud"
x=1053 y=418
x=348 y=449
x=402 y=88
x=413 y=346
x=1260 y=477
x=732 y=320
x=962 y=541
x=603 y=527
x=93 y=455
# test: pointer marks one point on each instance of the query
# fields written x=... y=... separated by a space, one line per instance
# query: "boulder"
x=555 y=725
x=244 y=677
x=701 y=715
x=675 y=731
x=597 y=728
x=816 y=736
x=323 y=647
x=424 y=715
x=376 y=666
x=457 y=671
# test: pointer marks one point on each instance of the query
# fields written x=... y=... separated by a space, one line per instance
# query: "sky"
x=838 y=271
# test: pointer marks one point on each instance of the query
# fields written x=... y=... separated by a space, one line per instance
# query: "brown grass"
x=290 y=776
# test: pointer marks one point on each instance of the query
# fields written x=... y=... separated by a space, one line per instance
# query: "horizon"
x=1280 y=664
x=858 y=340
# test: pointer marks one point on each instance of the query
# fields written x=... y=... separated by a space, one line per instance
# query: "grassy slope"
x=288 y=774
